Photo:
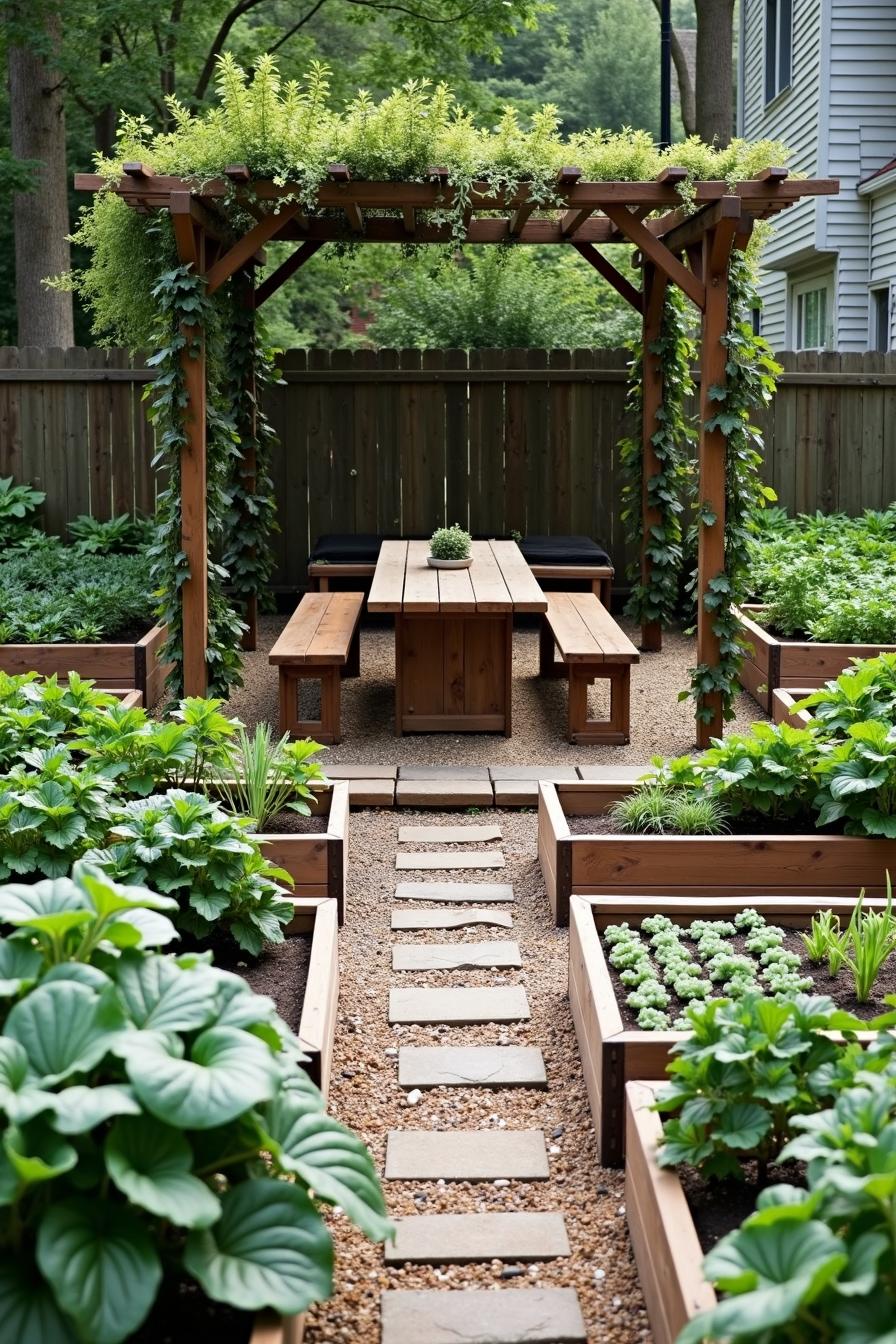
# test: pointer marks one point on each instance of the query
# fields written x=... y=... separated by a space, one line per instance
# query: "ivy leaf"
x=152 y=1165
x=102 y=1264
x=228 y=1072
x=269 y=1249
x=27 y=1308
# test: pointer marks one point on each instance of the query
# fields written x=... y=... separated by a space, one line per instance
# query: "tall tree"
x=40 y=216
x=715 y=70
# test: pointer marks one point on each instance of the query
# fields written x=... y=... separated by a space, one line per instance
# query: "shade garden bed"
x=317 y=861
x=816 y=865
x=124 y=666
x=774 y=662
x=613 y=1055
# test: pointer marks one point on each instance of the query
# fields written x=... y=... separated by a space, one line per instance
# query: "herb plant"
x=111 y=536
x=157 y=1126
x=56 y=594
x=261 y=776
x=144 y=755
x=870 y=941
x=51 y=811
x=18 y=505
x=450 y=543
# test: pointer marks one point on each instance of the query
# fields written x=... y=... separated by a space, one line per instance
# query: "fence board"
x=498 y=440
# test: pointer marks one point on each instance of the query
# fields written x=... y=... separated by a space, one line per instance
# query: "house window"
x=880 y=319
x=812 y=314
x=778 y=46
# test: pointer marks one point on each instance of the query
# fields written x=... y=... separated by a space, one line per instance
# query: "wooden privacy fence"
x=402 y=441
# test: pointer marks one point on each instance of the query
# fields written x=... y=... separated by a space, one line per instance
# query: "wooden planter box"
x=665 y=1242
x=778 y=663
x=317 y=863
x=783 y=703
x=739 y=865
x=271 y=1328
x=114 y=667
x=613 y=1055
x=317 y=1026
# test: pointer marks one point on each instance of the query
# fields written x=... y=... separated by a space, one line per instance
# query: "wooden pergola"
x=675 y=246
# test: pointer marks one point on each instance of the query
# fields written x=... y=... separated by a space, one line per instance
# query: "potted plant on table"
x=449 y=548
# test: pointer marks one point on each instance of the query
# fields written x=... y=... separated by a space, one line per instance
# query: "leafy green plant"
x=450 y=543
x=96 y=536
x=49 y=595
x=655 y=808
x=184 y=845
x=742 y=1075
x=144 y=755
x=858 y=781
x=262 y=776
x=768 y=772
x=51 y=811
x=37 y=711
x=18 y=505
x=157 y=1126
x=867 y=690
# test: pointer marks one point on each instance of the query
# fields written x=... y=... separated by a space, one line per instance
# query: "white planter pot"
x=449 y=564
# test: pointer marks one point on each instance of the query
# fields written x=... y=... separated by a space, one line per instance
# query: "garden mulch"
x=365 y=1094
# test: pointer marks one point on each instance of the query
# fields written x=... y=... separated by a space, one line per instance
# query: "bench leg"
x=612 y=731
x=328 y=728
x=352 y=666
x=548 y=666
x=603 y=591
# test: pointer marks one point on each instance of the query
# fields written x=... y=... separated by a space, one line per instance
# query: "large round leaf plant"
x=157 y=1126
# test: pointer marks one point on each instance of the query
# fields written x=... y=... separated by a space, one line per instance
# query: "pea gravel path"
x=659 y=723
x=365 y=1094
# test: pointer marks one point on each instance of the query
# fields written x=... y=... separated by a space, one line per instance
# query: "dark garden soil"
x=718 y=1207
x=281 y=972
x=293 y=823
x=184 y=1315
x=840 y=988
x=607 y=825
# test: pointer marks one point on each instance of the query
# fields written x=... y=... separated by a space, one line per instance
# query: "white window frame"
x=798 y=291
x=885 y=289
x=783 y=21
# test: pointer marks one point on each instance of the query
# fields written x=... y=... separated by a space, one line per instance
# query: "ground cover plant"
x=826 y=577
x=157 y=1126
x=51 y=594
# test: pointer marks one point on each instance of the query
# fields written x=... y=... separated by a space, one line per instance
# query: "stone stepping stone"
x=448 y=835
x=466 y=1155
x=449 y=793
x=459 y=1007
x=471 y=1066
x=450 y=860
x=482 y=1316
x=443 y=772
x=449 y=919
x=467 y=1238
x=553 y=773
x=454 y=891
x=454 y=956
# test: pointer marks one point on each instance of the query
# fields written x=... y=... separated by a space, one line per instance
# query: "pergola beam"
x=286 y=268
x=657 y=252
x=244 y=248
x=610 y=273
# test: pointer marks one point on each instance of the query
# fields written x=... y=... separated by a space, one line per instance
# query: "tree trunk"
x=715 y=70
x=40 y=217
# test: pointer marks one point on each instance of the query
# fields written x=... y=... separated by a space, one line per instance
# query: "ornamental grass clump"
x=263 y=775
x=655 y=808
x=157 y=1127
x=450 y=543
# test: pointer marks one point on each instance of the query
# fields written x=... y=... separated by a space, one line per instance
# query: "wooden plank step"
x=470 y=1238
x=471 y=1066
x=449 y=919
x=466 y=1155
x=455 y=956
x=450 y=860
x=474 y=892
x=482 y=1316
x=459 y=1007
x=448 y=835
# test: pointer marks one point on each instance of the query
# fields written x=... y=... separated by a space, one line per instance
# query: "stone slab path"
x=481 y=1316
x=459 y=1007
x=462 y=1238
x=466 y=1155
x=448 y=835
x=451 y=860
x=454 y=891
x=415 y=920
x=454 y=956
x=471 y=1066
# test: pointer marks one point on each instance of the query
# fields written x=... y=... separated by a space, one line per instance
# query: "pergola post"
x=712 y=456
x=194 y=517
x=655 y=283
x=248 y=456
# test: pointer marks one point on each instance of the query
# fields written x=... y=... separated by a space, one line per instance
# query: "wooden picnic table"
x=453 y=634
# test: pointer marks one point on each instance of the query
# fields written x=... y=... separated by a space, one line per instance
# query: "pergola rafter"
x=690 y=250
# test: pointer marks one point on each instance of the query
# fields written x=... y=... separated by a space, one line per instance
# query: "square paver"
x=471 y=1066
x=454 y=891
x=469 y=1238
x=459 y=1007
x=553 y=773
x=449 y=861
x=482 y=1316
x=466 y=1155
x=455 y=956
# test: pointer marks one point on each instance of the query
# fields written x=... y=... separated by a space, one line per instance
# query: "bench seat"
x=590 y=645
x=320 y=643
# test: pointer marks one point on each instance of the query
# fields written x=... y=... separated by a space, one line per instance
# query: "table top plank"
x=524 y=589
x=491 y=591
x=421 y=584
x=387 y=588
x=456 y=590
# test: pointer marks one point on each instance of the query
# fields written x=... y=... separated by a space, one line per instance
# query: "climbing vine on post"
x=751 y=374
x=654 y=595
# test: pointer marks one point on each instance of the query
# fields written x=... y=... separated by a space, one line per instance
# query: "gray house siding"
x=883 y=250
x=839 y=120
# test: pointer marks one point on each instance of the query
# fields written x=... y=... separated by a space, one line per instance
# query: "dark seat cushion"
x=563 y=551
x=346 y=548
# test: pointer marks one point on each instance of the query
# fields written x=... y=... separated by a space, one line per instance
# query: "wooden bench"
x=590 y=645
x=320 y=643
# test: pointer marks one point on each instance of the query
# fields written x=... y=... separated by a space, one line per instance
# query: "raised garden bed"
x=740 y=865
x=783 y=706
x=664 y=1239
x=204 y=1319
x=786 y=663
x=613 y=1055
x=114 y=667
x=317 y=862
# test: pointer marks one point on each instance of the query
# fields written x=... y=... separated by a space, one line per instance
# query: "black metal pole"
x=665 y=74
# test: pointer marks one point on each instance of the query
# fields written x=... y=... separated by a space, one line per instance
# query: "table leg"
x=508 y=677
x=399 y=674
